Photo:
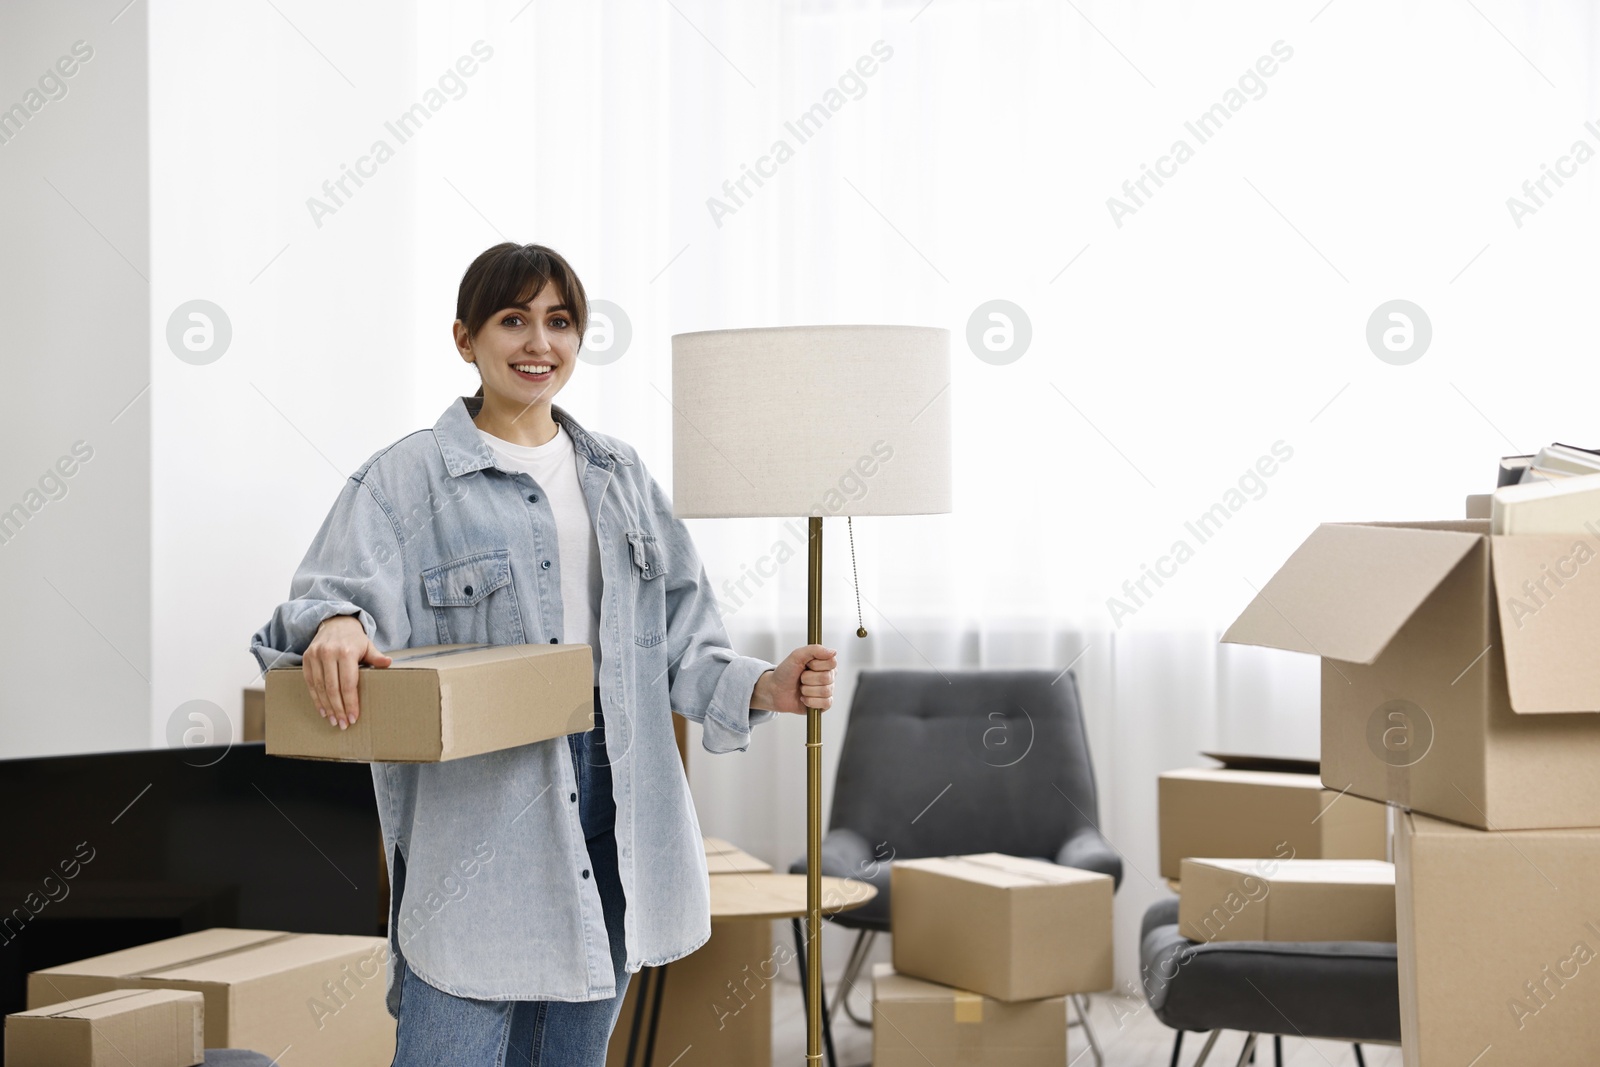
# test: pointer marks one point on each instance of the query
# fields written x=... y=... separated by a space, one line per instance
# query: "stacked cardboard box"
x=1227 y=813
x=122 y=1028
x=1287 y=900
x=1459 y=682
x=915 y=1023
x=986 y=950
x=310 y=1000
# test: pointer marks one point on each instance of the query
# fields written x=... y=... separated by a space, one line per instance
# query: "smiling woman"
x=533 y=529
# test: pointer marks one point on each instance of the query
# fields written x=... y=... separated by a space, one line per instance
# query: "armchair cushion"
x=847 y=854
x=1340 y=990
x=1088 y=850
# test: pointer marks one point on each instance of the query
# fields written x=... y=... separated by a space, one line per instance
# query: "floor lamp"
x=818 y=421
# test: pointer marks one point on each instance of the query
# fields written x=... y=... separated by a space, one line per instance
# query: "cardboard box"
x=1499 y=944
x=1006 y=927
x=254 y=720
x=716 y=1005
x=723 y=857
x=1450 y=663
x=440 y=702
x=917 y=1023
x=315 y=1000
x=123 y=1028
x=1286 y=900
x=1234 y=814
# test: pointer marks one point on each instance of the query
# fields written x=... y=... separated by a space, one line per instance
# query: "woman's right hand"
x=331 y=663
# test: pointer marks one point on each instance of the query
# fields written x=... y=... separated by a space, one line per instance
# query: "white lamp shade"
x=811 y=420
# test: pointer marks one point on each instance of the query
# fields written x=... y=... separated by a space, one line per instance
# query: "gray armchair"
x=1340 y=990
x=956 y=762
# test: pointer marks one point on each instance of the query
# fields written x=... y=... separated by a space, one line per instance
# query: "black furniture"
x=944 y=763
x=1338 y=990
x=178 y=840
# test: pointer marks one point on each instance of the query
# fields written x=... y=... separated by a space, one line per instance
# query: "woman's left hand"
x=804 y=680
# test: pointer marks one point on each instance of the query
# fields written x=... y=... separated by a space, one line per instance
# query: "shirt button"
x=586 y=872
x=467 y=590
x=553 y=641
x=533 y=498
x=544 y=564
x=572 y=797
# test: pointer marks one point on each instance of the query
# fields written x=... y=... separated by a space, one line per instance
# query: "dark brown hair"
x=510 y=274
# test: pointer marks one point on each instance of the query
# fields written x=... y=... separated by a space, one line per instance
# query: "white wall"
x=74 y=262
x=250 y=115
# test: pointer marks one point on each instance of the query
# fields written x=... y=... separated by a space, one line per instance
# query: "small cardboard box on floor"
x=440 y=702
x=1459 y=676
x=1246 y=814
x=1003 y=926
x=313 y=1000
x=1286 y=900
x=122 y=1028
x=916 y=1023
x=1499 y=945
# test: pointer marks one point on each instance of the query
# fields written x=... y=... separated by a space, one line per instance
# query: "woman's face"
x=517 y=343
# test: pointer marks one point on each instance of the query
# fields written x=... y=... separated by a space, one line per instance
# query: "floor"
x=1129 y=1034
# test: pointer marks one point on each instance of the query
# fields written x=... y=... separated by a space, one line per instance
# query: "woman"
x=526 y=884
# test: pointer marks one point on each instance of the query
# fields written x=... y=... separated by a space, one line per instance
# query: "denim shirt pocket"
x=650 y=592
x=474 y=600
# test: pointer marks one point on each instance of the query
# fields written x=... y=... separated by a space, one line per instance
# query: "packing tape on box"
x=969 y=1007
x=1032 y=876
x=151 y=972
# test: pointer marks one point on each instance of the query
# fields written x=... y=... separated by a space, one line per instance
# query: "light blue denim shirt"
x=432 y=542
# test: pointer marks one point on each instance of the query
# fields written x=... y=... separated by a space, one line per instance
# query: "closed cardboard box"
x=1239 y=814
x=440 y=702
x=313 y=1000
x=716 y=1004
x=1458 y=668
x=123 y=1028
x=1499 y=945
x=918 y=1024
x=1287 y=900
x=722 y=857
x=1007 y=927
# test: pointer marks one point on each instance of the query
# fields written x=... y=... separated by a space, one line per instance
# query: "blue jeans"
x=438 y=1029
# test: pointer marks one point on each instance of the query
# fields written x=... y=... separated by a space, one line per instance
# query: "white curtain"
x=1200 y=349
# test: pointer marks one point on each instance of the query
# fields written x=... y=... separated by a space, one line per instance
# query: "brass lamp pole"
x=814 y=805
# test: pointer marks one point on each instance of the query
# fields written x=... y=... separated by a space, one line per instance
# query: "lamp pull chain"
x=861 y=630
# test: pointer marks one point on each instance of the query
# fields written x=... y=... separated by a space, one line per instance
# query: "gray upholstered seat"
x=1340 y=990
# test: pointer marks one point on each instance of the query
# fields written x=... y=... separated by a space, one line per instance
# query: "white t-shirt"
x=554 y=466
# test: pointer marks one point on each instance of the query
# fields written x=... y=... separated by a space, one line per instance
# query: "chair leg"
x=1205 y=1050
x=1277 y=1050
x=1080 y=1001
x=1246 y=1053
x=1360 y=1062
x=852 y=970
x=1177 y=1048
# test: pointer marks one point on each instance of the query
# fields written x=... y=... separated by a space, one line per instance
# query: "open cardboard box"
x=1459 y=676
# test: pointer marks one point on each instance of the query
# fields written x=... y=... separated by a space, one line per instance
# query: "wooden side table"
x=752 y=896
